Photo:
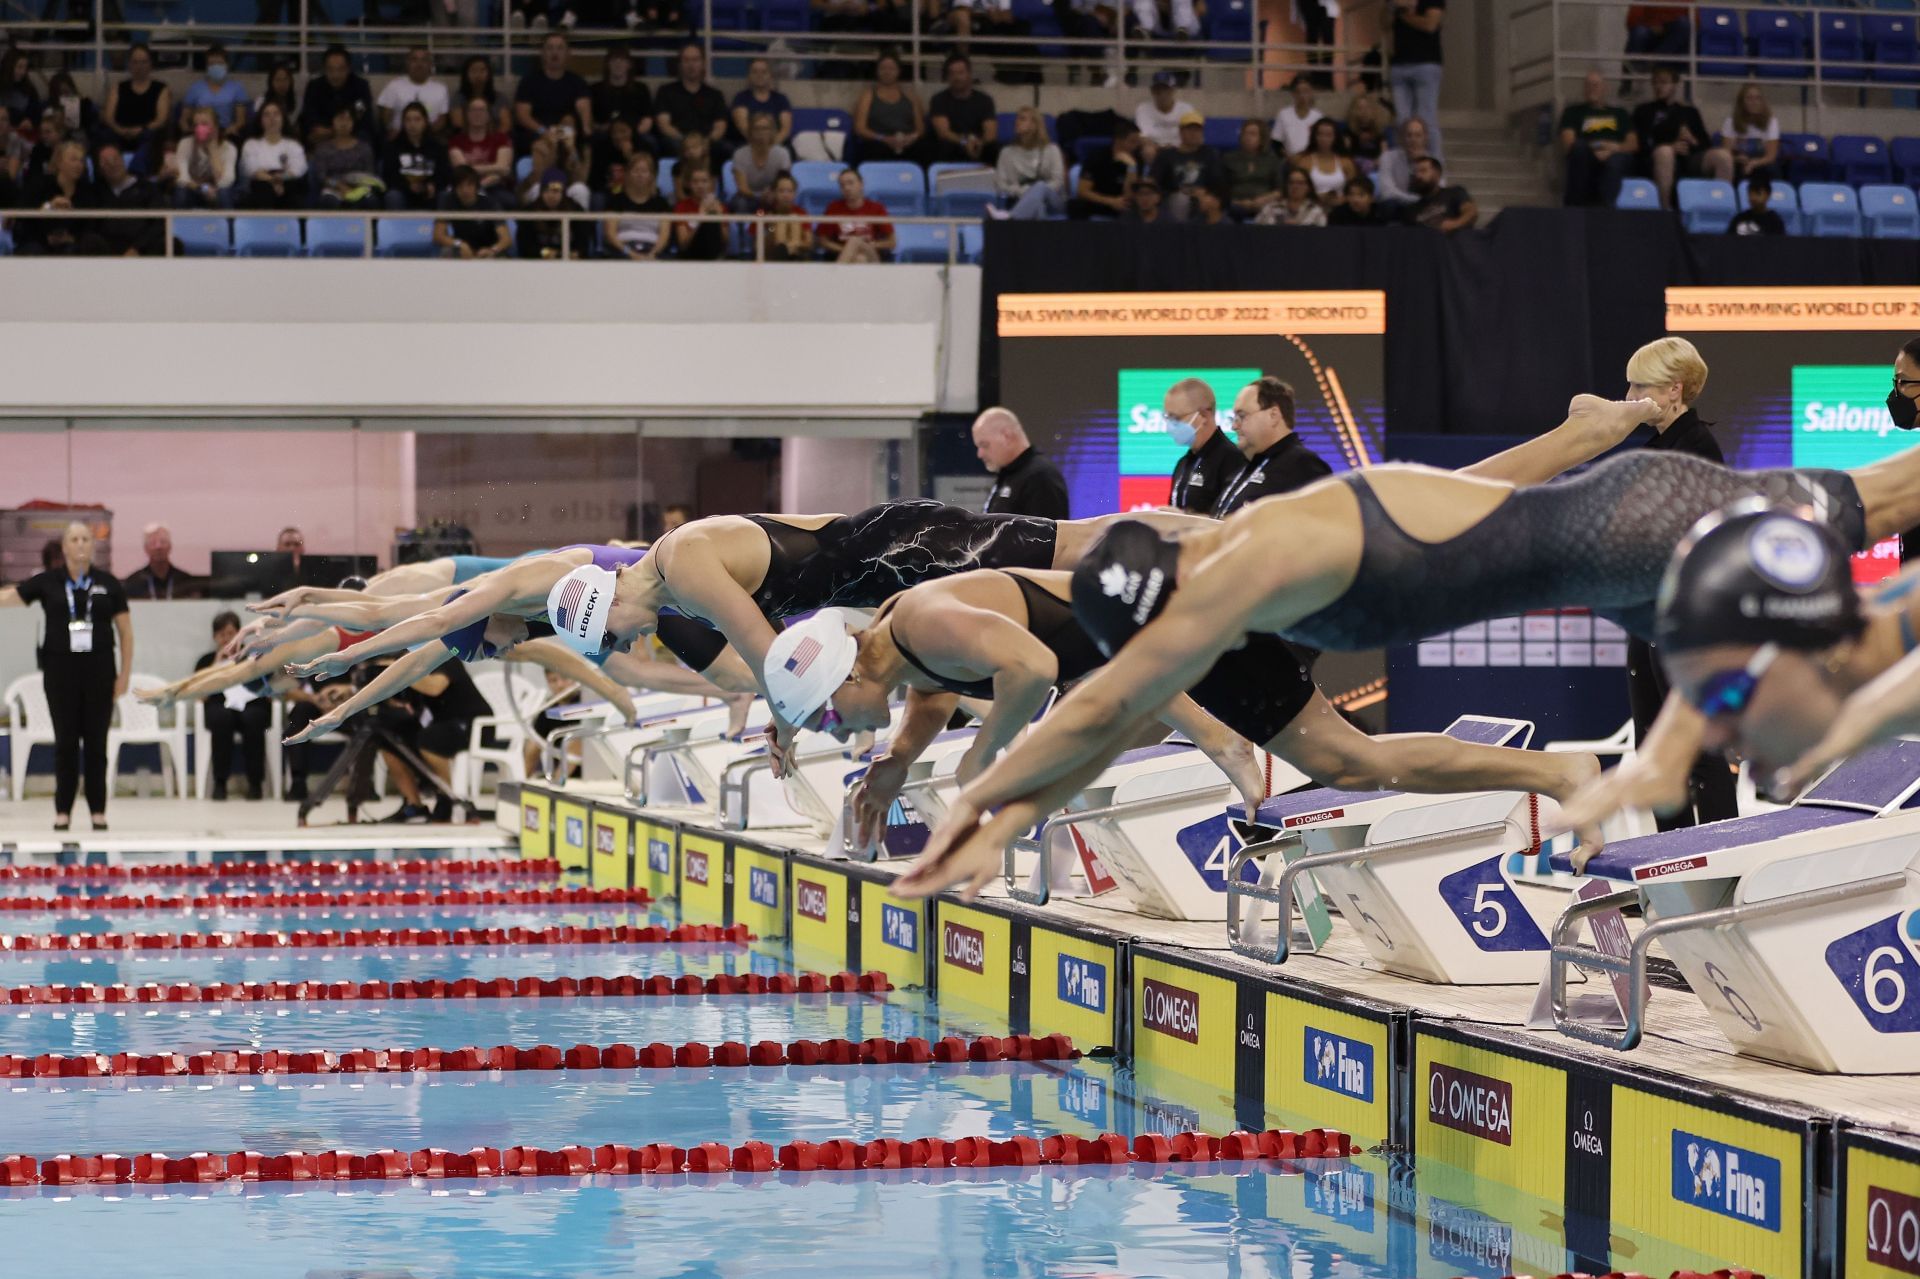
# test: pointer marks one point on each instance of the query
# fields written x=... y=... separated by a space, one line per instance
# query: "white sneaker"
x=998 y=214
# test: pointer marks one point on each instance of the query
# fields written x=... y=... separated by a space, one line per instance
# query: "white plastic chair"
x=140 y=726
x=529 y=689
x=32 y=724
x=203 y=756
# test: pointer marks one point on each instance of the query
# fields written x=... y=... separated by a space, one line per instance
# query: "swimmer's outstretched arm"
x=263 y=634
x=1656 y=776
x=1886 y=706
x=703 y=586
x=1233 y=753
x=662 y=677
x=1592 y=426
x=490 y=593
x=214 y=679
x=397 y=678
x=550 y=654
x=924 y=719
x=358 y=611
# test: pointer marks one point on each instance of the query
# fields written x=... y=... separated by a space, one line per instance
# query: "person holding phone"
x=273 y=166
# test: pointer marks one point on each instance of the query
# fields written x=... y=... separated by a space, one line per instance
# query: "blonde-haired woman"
x=1751 y=133
x=1670 y=372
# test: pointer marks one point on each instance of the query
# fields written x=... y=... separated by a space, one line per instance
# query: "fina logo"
x=660 y=856
x=1787 y=553
x=576 y=832
x=1083 y=983
x=1728 y=1180
x=763 y=886
x=899 y=927
x=1338 y=1064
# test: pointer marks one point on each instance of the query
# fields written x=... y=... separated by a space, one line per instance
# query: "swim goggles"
x=829 y=720
x=1730 y=692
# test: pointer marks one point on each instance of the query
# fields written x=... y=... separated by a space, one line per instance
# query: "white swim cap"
x=578 y=606
x=807 y=662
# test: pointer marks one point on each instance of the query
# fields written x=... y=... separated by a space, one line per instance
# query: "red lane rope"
x=1677 y=1274
x=654 y=1056
x=256 y=992
x=660 y=1158
x=376 y=938
x=448 y=869
x=369 y=897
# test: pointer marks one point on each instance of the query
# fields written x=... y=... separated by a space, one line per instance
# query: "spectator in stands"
x=1210 y=203
x=63 y=189
x=416 y=168
x=343 y=168
x=476 y=81
x=159 y=578
x=1031 y=176
x=1024 y=481
x=841 y=16
x=1159 y=117
x=546 y=238
x=238 y=712
x=1751 y=134
x=1396 y=164
x=696 y=156
x=1144 y=203
x=1167 y=18
x=965 y=126
x=484 y=149
x=1106 y=181
x=227 y=97
x=888 y=123
x=785 y=241
x=326 y=93
x=855 y=229
x=758 y=163
x=1414 y=72
x=1442 y=207
x=761 y=97
x=53 y=131
x=120 y=188
x=280 y=91
x=1293 y=123
x=1253 y=171
x=1674 y=138
x=1758 y=218
x=688 y=104
x=621 y=96
x=1359 y=208
x=1091 y=20
x=472 y=238
x=1184 y=169
x=78 y=116
x=673 y=516
x=1296 y=206
x=139 y=109
x=1368 y=118
x=13 y=159
x=547 y=99
x=626 y=231
x=1326 y=168
x=204 y=165
x=608 y=171
x=273 y=167
x=700 y=241
x=1658 y=29
x=294 y=543
x=417 y=85
x=1598 y=143
x=994 y=19
x=17 y=92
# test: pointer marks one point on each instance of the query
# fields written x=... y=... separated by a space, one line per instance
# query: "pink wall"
x=226 y=490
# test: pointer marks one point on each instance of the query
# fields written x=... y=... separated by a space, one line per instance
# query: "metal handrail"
x=1041 y=842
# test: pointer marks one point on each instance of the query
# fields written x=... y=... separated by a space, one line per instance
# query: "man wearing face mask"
x=1276 y=459
x=1202 y=473
x=227 y=97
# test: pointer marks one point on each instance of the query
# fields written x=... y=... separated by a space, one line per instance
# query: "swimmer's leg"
x=413 y=579
x=1890 y=492
x=1073 y=537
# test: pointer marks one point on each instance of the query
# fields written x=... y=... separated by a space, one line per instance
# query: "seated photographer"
x=239 y=711
x=434 y=716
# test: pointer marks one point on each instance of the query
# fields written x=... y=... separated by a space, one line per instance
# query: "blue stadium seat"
x=1638 y=193
x=1230 y=21
x=729 y=184
x=917 y=243
x=403 y=237
x=898 y=184
x=1803 y=157
x=1890 y=212
x=1783 y=201
x=1222 y=134
x=1779 y=35
x=523 y=168
x=1086 y=148
x=266 y=237
x=1905 y=153
x=1840 y=37
x=821 y=120
x=1830 y=209
x=1889 y=39
x=336 y=237
x=663 y=176
x=965 y=204
x=728 y=15
x=1720 y=37
x=1073 y=181
x=973 y=240
x=1706 y=206
x=786 y=15
x=1858 y=160
x=1006 y=125
x=204 y=237
x=819 y=182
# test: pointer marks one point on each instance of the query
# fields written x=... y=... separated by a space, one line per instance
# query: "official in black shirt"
x=1276 y=460
x=1671 y=373
x=1211 y=460
x=1024 y=482
x=237 y=711
x=85 y=611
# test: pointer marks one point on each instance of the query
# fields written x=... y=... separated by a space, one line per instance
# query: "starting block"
x=1799 y=929
x=1423 y=879
x=752 y=798
x=919 y=807
x=675 y=759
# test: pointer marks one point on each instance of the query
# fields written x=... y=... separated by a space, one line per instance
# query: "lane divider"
x=369 y=897
x=451 y=868
x=381 y=938
x=662 y=1159
x=261 y=992
x=654 y=1056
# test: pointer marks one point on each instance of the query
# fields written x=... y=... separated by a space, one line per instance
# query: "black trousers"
x=1712 y=793
x=249 y=723
x=80 y=700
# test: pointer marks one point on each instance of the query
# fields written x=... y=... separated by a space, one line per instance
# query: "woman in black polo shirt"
x=86 y=614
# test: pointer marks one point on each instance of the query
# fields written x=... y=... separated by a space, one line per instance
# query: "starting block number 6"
x=1876 y=966
x=1483 y=901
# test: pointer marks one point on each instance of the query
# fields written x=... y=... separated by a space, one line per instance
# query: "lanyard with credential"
x=79 y=619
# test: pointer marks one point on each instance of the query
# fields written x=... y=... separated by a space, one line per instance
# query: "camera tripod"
x=366 y=738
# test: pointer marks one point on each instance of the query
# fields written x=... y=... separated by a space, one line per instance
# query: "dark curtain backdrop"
x=1488 y=332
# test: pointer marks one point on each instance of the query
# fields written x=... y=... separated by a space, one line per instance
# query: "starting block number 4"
x=1483 y=901
x=1878 y=966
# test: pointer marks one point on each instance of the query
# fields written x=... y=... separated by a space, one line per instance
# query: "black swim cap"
x=352 y=584
x=1123 y=582
x=1755 y=574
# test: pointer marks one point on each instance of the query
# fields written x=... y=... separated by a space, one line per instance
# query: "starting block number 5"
x=1483 y=901
x=1877 y=966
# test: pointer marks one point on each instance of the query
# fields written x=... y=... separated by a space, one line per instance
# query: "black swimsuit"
x=1601 y=540
x=862 y=560
x=1050 y=619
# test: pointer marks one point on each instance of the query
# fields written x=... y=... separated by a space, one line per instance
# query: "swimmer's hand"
x=253 y=639
x=159 y=698
x=966 y=850
x=623 y=702
x=1641 y=782
x=1615 y=419
x=280 y=605
x=872 y=798
x=779 y=742
x=1578 y=770
x=326 y=666
x=1241 y=760
x=316 y=727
